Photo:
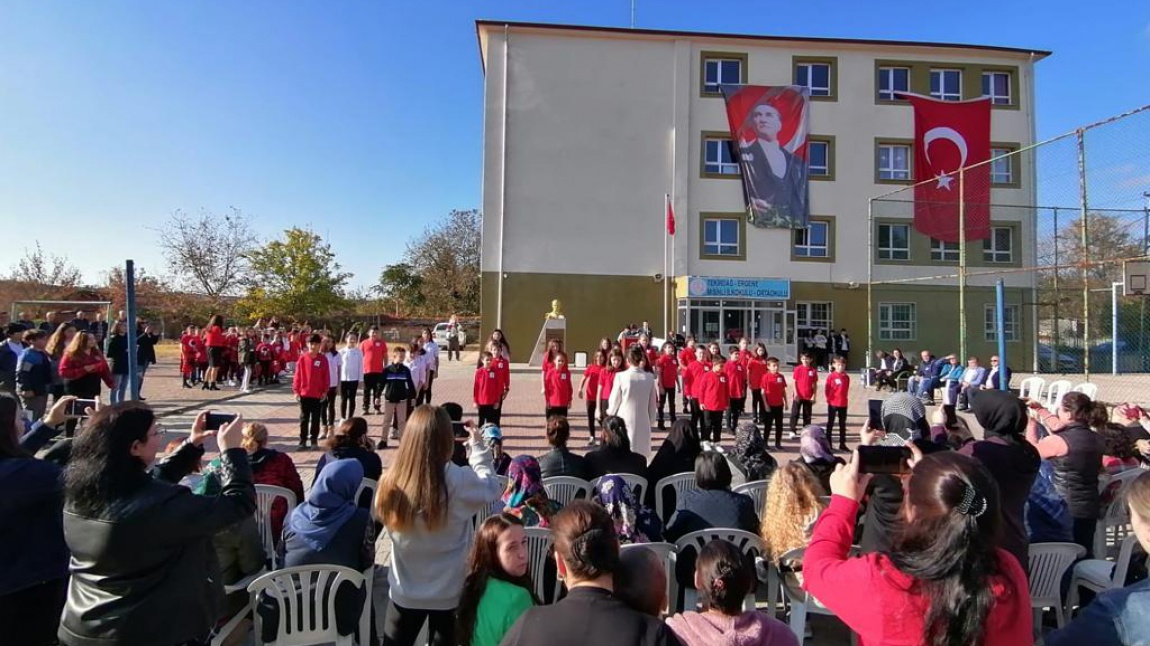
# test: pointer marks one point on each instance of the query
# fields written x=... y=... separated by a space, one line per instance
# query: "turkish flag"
x=949 y=135
x=670 y=218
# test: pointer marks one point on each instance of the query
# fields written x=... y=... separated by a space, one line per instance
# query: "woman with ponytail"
x=943 y=583
x=1075 y=451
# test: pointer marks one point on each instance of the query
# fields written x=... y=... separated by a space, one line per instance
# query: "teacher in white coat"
x=633 y=399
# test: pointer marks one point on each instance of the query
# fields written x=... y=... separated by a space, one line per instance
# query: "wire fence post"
x=130 y=306
x=1114 y=287
x=870 y=282
x=1000 y=331
x=1085 y=269
x=962 y=264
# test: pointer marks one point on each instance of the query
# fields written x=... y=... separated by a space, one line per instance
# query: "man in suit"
x=776 y=179
x=972 y=379
x=996 y=371
x=922 y=384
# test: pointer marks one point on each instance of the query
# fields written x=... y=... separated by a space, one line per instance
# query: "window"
x=894 y=242
x=813 y=241
x=892 y=80
x=999 y=246
x=717 y=157
x=943 y=251
x=896 y=321
x=894 y=162
x=819 y=158
x=721 y=237
x=946 y=84
x=1010 y=323
x=1001 y=166
x=720 y=70
x=815 y=75
x=996 y=85
x=814 y=315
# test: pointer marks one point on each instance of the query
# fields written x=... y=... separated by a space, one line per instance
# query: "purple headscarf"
x=814 y=445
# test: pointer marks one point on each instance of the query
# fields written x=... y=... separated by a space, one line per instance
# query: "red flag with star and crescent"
x=949 y=135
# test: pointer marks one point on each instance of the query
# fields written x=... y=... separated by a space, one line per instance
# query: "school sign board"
x=762 y=289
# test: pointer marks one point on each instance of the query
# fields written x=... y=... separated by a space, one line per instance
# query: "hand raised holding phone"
x=848 y=481
x=232 y=434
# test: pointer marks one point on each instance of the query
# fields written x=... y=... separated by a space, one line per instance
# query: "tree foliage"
x=208 y=253
x=295 y=277
x=400 y=284
x=47 y=271
x=445 y=259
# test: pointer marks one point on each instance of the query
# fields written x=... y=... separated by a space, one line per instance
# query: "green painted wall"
x=598 y=306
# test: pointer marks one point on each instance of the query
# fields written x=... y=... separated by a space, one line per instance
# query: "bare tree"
x=207 y=253
x=46 y=269
x=446 y=261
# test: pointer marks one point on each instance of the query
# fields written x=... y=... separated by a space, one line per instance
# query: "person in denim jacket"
x=1117 y=617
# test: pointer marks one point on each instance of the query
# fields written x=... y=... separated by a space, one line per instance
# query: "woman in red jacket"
x=217 y=343
x=944 y=582
x=83 y=367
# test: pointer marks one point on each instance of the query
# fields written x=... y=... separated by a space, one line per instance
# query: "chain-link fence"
x=1061 y=220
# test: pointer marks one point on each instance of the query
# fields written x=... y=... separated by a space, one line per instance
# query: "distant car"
x=1066 y=363
x=440 y=333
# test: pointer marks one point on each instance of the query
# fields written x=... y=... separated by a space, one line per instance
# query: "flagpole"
x=666 y=273
x=962 y=265
x=671 y=269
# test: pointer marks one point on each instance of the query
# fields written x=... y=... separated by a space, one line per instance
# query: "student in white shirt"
x=334 y=365
x=350 y=374
x=431 y=351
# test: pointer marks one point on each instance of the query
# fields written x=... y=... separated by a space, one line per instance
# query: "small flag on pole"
x=670 y=218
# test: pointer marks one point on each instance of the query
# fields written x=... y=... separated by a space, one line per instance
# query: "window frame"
x=990 y=256
x=942 y=93
x=740 y=219
x=887 y=332
x=879 y=143
x=1012 y=327
x=829 y=222
x=880 y=68
x=990 y=72
x=712 y=135
x=1015 y=161
x=803 y=314
x=706 y=56
x=832 y=63
x=829 y=141
x=879 y=249
x=941 y=253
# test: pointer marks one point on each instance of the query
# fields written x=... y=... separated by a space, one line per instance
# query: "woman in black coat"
x=143 y=568
x=676 y=455
x=146 y=341
x=615 y=456
x=560 y=461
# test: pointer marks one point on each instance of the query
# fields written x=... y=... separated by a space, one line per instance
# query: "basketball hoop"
x=1136 y=277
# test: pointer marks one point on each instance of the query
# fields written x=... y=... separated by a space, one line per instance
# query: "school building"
x=587 y=128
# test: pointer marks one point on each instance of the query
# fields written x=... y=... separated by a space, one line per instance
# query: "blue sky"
x=362 y=118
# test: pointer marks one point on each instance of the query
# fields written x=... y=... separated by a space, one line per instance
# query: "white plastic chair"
x=1055 y=393
x=1100 y=575
x=367 y=484
x=1114 y=525
x=757 y=490
x=638 y=484
x=1032 y=388
x=1048 y=563
x=666 y=554
x=1086 y=388
x=800 y=601
x=266 y=495
x=565 y=489
x=748 y=543
x=306 y=599
x=680 y=482
x=539 y=543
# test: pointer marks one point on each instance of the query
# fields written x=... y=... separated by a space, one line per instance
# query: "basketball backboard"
x=1136 y=277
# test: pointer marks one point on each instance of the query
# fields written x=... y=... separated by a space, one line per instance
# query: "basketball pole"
x=1114 y=287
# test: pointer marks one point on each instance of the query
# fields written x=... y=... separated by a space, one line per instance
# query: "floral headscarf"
x=525 y=498
x=634 y=523
x=814 y=445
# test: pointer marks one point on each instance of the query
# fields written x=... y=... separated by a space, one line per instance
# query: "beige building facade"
x=587 y=129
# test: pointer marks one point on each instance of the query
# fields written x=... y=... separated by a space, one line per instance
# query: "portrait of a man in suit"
x=775 y=178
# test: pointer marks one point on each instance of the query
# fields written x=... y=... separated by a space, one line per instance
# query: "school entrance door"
x=727 y=321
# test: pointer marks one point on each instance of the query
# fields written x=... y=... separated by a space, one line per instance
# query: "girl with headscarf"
x=815 y=454
x=676 y=455
x=525 y=498
x=329 y=528
x=634 y=523
x=905 y=416
x=750 y=456
x=1008 y=457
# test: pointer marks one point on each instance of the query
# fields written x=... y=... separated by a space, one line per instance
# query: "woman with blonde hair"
x=83 y=367
x=425 y=503
x=790 y=510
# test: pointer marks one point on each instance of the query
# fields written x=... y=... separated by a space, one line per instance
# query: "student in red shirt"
x=216 y=343
x=775 y=390
x=837 y=389
x=488 y=391
x=310 y=385
x=745 y=354
x=686 y=358
x=374 y=351
x=503 y=367
x=557 y=387
x=691 y=376
x=806 y=378
x=607 y=380
x=756 y=369
x=713 y=393
x=265 y=355
x=589 y=390
x=188 y=344
x=737 y=386
x=667 y=367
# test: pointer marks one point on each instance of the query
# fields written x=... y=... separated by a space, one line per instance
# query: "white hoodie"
x=352 y=367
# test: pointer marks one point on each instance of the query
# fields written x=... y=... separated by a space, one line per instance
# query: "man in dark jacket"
x=34 y=373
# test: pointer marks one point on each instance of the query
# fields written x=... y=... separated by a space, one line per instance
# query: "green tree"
x=446 y=259
x=297 y=276
x=401 y=284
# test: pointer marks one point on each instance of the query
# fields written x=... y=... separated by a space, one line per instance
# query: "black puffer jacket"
x=145 y=573
x=1076 y=473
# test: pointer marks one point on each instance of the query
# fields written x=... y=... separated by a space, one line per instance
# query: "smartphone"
x=874 y=414
x=216 y=421
x=890 y=460
x=459 y=431
x=76 y=407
